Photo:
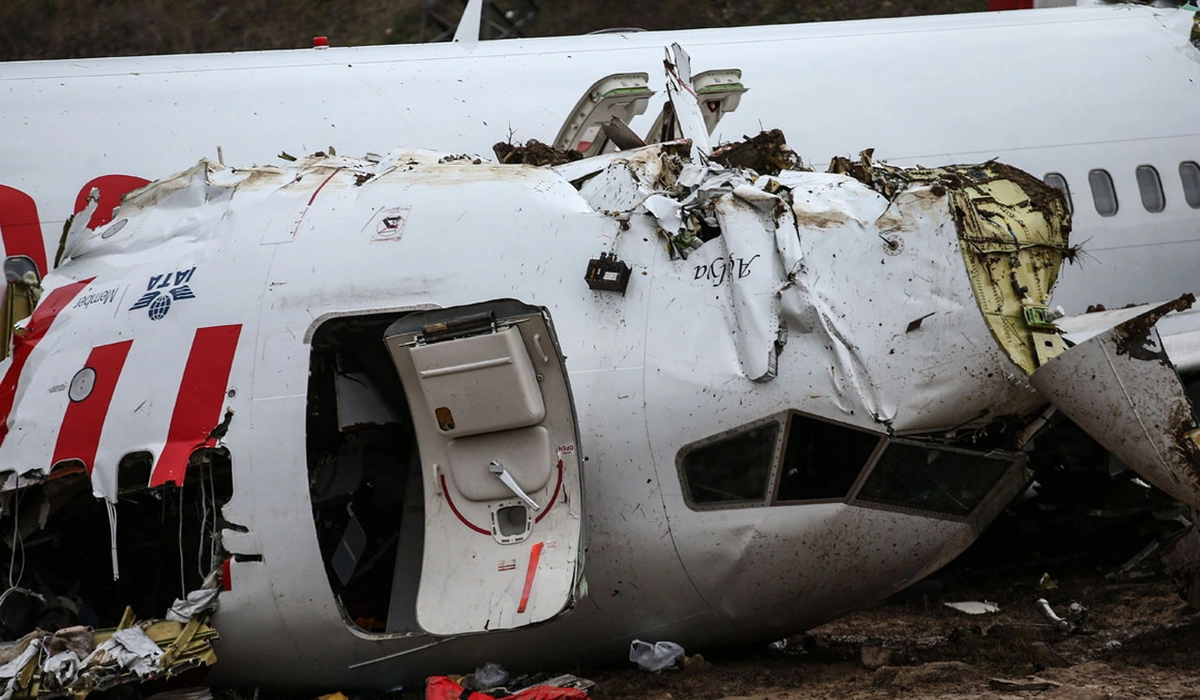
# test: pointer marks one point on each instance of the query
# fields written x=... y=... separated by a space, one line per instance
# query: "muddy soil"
x=1139 y=641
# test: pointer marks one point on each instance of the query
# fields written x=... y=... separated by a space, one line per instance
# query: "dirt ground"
x=1139 y=641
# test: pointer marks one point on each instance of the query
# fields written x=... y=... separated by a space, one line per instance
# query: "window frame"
x=1112 y=186
x=1162 y=195
x=984 y=511
x=880 y=444
x=1065 y=189
x=682 y=454
x=1192 y=198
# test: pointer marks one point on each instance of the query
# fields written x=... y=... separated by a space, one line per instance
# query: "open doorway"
x=364 y=475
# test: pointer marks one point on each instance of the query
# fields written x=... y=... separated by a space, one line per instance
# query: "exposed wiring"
x=112 y=535
x=182 y=581
x=200 y=569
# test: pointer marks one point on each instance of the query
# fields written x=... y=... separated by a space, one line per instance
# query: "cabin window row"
x=798 y=459
x=1150 y=188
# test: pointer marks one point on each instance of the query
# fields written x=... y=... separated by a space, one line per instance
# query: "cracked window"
x=734 y=469
x=942 y=481
x=822 y=460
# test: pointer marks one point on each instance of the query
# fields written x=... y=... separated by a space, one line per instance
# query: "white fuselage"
x=1056 y=91
x=1064 y=91
x=278 y=254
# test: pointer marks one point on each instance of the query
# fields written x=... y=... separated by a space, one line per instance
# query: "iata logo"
x=161 y=290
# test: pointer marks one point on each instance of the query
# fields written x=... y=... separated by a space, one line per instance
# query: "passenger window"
x=1150 y=185
x=1059 y=183
x=942 y=481
x=1189 y=173
x=1103 y=192
x=822 y=460
x=733 y=469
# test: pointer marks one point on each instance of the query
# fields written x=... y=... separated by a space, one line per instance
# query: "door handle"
x=505 y=478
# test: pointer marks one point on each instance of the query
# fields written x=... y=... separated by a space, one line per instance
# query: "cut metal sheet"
x=1121 y=387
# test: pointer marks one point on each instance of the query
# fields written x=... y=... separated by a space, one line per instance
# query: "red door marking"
x=198 y=404
x=454 y=509
x=20 y=228
x=554 y=498
x=112 y=188
x=994 y=5
x=535 y=555
x=79 y=435
x=23 y=345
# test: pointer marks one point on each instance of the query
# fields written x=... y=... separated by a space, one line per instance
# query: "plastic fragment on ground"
x=975 y=607
x=654 y=657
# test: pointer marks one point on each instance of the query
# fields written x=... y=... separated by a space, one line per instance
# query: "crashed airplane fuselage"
x=412 y=406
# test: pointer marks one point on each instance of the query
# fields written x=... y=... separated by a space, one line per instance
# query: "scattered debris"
x=974 y=607
x=444 y=688
x=486 y=677
x=655 y=657
x=534 y=152
x=766 y=153
x=1076 y=616
x=76 y=661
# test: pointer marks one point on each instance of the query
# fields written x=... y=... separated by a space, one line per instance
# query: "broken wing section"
x=496 y=429
x=1121 y=386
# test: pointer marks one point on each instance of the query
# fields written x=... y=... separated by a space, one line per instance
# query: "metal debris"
x=1070 y=624
x=75 y=661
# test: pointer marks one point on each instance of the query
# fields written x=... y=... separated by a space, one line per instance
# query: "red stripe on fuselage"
x=112 y=188
x=198 y=404
x=20 y=228
x=23 y=345
x=79 y=435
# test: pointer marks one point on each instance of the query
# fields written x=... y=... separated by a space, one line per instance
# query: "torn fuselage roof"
x=952 y=251
x=860 y=298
